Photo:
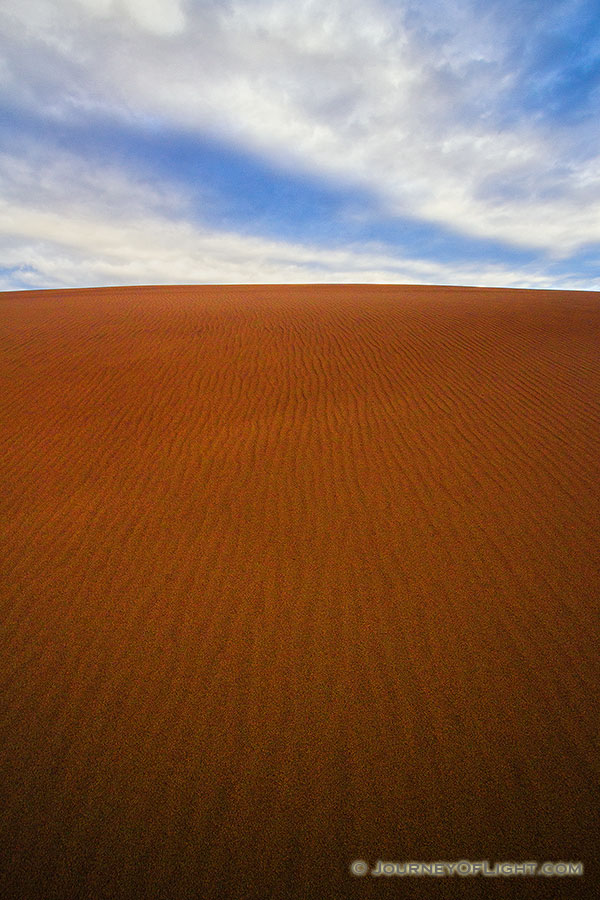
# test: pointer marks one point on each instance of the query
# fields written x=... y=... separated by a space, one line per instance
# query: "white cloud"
x=344 y=89
x=73 y=238
x=162 y=17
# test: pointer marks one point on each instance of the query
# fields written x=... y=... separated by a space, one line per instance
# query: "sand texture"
x=294 y=576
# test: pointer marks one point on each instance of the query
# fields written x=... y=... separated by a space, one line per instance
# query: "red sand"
x=294 y=576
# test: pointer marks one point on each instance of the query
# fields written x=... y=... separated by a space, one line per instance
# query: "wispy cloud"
x=446 y=116
x=74 y=237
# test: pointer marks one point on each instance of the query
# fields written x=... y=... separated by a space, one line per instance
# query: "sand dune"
x=294 y=576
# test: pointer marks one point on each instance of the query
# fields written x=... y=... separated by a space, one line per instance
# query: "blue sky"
x=201 y=141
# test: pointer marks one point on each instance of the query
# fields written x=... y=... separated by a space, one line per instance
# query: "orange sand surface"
x=296 y=576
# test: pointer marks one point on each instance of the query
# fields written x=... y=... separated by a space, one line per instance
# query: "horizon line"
x=296 y=284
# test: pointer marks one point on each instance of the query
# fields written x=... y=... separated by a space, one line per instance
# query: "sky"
x=282 y=141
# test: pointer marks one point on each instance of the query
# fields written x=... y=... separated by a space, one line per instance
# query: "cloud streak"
x=74 y=238
x=443 y=114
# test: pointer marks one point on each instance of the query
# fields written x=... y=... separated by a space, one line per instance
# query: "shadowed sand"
x=294 y=576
